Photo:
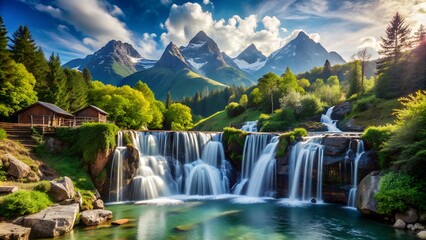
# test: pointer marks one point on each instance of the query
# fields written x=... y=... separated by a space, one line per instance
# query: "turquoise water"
x=240 y=218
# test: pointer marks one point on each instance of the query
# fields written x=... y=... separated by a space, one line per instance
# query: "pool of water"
x=230 y=217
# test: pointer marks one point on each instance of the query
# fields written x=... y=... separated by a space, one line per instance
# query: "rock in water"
x=421 y=235
x=17 y=168
x=409 y=216
x=51 y=222
x=400 y=224
x=120 y=221
x=95 y=217
x=368 y=186
x=13 y=231
x=62 y=189
x=98 y=204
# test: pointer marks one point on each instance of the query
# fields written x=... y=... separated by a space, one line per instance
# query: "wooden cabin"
x=91 y=114
x=43 y=113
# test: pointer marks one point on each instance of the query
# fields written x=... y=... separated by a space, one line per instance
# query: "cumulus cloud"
x=55 y=12
x=166 y=2
x=232 y=35
x=206 y=2
x=148 y=46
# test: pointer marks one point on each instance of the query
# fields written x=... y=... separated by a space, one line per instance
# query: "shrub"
x=23 y=202
x=377 y=135
x=363 y=104
x=311 y=106
x=234 y=143
x=3 y=134
x=234 y=109
x=36 y=135
x=300 y=132
x=43 y=186
x=397 y=192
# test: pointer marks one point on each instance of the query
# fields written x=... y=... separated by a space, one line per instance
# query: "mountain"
x=112 y=62
x=203 y=54
x=172 y=73
x=250 y=60
x=300 y=55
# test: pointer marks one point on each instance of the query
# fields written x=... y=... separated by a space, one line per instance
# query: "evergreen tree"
x=87 y=76
x=394 y=43
x=168 y=100
x=24 y=50
x=326 y=72
x=5 y=60
x=420 y=35
x=77 y=90
x=355 y=78
x=56 y=79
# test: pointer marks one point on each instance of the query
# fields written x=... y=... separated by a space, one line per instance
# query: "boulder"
x=341 y=110
x=418 y=226
x=101 y=160
x=368 y=186
x=335 y=146
x=9 y=231
x=400 y=224
x=421 y=235
x=409 y=216
x=95 y=217
x=17 y=168
x=51 y=222
x=367 y=163
x=62 y=189
x=410 y=226
x=4 y=190
x=98 y=204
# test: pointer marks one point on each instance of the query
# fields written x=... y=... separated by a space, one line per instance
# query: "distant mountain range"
x=200 y=65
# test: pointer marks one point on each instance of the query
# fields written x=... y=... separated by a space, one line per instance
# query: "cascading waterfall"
x=301 y=166
x=326 y=120
x=116 y=193
x=263 y=181
x=352 y=192
x=253 y=147
x=250 y=126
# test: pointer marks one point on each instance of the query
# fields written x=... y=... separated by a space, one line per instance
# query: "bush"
x=43 y=186
x=311 y=106
x=399 y=191
x=234 y=143
x=300 y=132
x=364 y=104
x=289 y=137
x=3 y=134
x=23 y=202
x=377 y=136
x=234 y=109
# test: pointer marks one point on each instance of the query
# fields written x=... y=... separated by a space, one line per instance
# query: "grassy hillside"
x=219 y=120
x=179 y=82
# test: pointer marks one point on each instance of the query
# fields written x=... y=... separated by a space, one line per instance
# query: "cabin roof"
x=94 y=107
x=49 y=106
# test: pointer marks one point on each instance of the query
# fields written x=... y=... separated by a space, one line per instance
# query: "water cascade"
x=263 y=180
x=303 y=158
x=352 y=192
x=326 y=120
x=116 y=175
x=250 y=126
x=253 y=147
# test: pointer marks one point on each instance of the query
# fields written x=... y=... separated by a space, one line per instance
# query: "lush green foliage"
x=398 y=191
x=43 y=186
x=364 y=104
x=220 y=120
x=23 y=203
x=234 y=143
x=289 y=138
x=3 y=134
x=377 y=136
x=178 y=117
x=234 y=109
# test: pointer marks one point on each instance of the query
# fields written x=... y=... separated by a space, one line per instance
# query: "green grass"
x=23 y=202
x=219 y=120
x=380 y=113
x=180 y=82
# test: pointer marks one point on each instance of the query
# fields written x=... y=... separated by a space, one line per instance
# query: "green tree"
x=244 y=100
x=87 y=76
x=24 y=50
x=17 y=91
x=168 y=100
x=333 y=81
x=77 y=89
x=5 y=60
x=288 y=82
x=156 y=108
x=255 y=97
x=304 y=83
x=420 y=35
x=178 y=117
x=394 y=43
x=267 y=85
x=326 y=72
x=355 y=78
x=56 y=80
x=363 y=56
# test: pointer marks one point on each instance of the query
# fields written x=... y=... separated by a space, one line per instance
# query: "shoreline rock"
x=13 y=231
x=95 y=217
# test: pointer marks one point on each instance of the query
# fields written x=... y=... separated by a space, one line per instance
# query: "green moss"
x=87 y=197
x=234 y=143
x=289 y=138
x=127 y=139
x=22 y=203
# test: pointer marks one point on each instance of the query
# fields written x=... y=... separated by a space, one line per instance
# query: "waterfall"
x=352 y=192
x=253 y=147
x=250 y=126
x=116 y=176
x=263 y=182
x=326 y=120
x=302 y=161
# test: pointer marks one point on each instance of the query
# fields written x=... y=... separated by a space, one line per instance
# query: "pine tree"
x=394 y=43
x=355 y=78
x=77 y=90
x=168 y=100
x=5 y=60
x=326 y=72
x=24 y=50
x=420 y=35
x=56 y=79
x=87 y=76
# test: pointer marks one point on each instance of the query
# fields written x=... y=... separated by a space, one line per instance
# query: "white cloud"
x=148 y=46
x=116 y=11
x=232 y=35
x=368 y=42
x=55 y=12
x=166 y=2
x=206 y=2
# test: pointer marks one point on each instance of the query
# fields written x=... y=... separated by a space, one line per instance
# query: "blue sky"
x=75 y=28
